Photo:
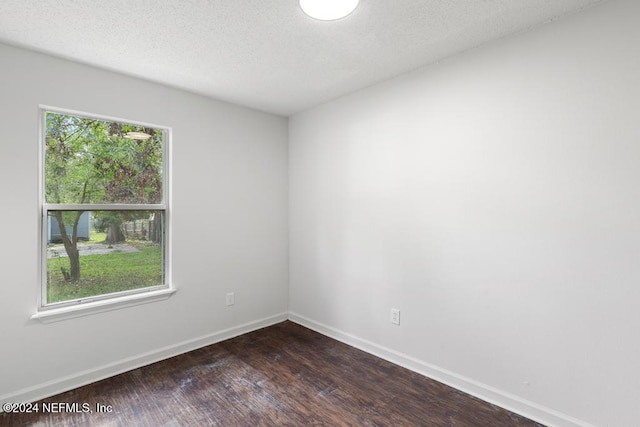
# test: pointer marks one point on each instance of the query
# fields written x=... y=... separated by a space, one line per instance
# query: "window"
x=104 y=200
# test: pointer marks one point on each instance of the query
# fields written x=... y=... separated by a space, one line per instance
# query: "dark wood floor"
x=283 y=375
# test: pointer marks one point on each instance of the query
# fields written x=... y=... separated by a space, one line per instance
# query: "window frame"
x=82 y=306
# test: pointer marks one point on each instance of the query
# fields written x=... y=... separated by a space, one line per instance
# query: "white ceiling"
x=266 y=54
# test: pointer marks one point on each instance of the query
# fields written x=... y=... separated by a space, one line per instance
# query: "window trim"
x=48 y=312
x=83 y=308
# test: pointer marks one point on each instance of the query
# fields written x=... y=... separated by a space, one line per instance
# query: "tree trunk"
x=70 y=246
x=74 y=262
x=114 y=234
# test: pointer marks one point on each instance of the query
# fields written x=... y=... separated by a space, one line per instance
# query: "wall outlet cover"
x=230 y=299
x=395 y=316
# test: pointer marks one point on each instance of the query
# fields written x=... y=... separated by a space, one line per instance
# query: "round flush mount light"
x=328 y=10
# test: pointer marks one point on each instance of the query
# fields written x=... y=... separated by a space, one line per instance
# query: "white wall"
x=229 y=226
x=495 y=199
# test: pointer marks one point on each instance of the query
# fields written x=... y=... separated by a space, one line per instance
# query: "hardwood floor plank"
x=283 y=375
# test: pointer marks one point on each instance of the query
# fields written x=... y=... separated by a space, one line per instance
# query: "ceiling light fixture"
x=328 y=10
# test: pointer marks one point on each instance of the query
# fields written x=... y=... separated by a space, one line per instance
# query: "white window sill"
x=85 y=309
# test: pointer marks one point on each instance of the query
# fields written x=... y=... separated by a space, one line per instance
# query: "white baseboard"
x=487 y=393
x=60 y=385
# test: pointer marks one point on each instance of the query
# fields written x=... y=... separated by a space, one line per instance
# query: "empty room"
x=390 y=213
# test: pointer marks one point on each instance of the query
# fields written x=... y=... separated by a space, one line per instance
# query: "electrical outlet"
x=230 y=299
x=395 y=316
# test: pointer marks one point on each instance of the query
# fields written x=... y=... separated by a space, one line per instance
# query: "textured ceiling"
x=266 y=54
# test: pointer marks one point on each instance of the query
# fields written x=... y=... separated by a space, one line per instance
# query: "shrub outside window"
x=104 y=205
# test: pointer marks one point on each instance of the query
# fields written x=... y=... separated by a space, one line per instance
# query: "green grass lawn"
x=106 y=273
x=97 y=236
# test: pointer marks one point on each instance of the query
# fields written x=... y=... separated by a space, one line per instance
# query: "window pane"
x=100 y=161
x=114 y=251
